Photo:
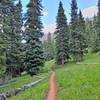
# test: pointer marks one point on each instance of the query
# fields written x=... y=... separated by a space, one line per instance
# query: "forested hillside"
x=72 y=52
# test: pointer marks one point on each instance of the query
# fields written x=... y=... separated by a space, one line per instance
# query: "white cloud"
x=45 y=13
x=90 y=11
x=49 y=28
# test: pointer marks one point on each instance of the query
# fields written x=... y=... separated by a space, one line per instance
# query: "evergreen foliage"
x=78 y=41
x=70 y=40
x=34 y=53
x=7 y=16
x=48 y=46
x=62 y=47
x=13 y=54
x=82 y=39
x=74 y=31
x=11 y=24
x=96 y=46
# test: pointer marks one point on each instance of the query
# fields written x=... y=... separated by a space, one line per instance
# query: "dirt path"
x=52 y=87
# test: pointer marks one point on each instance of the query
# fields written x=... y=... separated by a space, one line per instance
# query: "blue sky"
x=51 y=7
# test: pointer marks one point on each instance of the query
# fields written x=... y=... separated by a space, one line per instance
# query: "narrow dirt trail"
x=52 y=87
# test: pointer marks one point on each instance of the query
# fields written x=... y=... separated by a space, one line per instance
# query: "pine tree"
x=90 y=32
x=61 y=37
x=3 y=47
x=12 y=26
x=7 y=15
x=74 y=15
x=74 y=34
x=50 y=47
x=98 y=19
x=81 y=32
x=34 y=55
x=81 y=22
x=45 y=49
x=17 y=38
x=96 y=46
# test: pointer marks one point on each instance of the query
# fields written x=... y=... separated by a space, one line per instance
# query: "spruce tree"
x=81 y=22
x=75 y=45
x=90 y=32
x=98 y=20
x=74 y=15
x=12 y=26
x=62 y=48
x=3 y=48
x=78 y=41
x=7 y=16
x=50 y=47
x=34 y=55
x=45 y=49
x=96 y=46
x=81 y=34
x=17 y=38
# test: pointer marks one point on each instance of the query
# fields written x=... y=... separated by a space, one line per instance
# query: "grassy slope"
x=92 y=58
x=35 y=93
x=79 y=82
x=38 y=92
x=75 y=82
x=49 y=64
x=20 y=81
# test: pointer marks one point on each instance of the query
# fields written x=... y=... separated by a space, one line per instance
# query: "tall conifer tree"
x=74 y=28
x=3 y=45
x=12 y=27
x=34 y=54
x=18 y=22
x=81 y=36
x=96 y=46
x=50 y=48
x=62 y=48
x=8 y=18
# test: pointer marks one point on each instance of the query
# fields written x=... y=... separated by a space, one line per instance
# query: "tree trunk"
x=62 y=62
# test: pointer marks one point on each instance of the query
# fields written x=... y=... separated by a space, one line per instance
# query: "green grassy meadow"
x=79 y=82
x=38 y=92
x=74 y=82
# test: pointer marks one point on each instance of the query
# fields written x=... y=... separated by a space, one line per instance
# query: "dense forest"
x=71 y=41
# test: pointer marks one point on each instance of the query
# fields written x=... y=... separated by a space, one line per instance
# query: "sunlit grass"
x=74 y=82
x=92 y=58
x=19 y=81
x=49 y=64
x=79 y=82
x=37 y=92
